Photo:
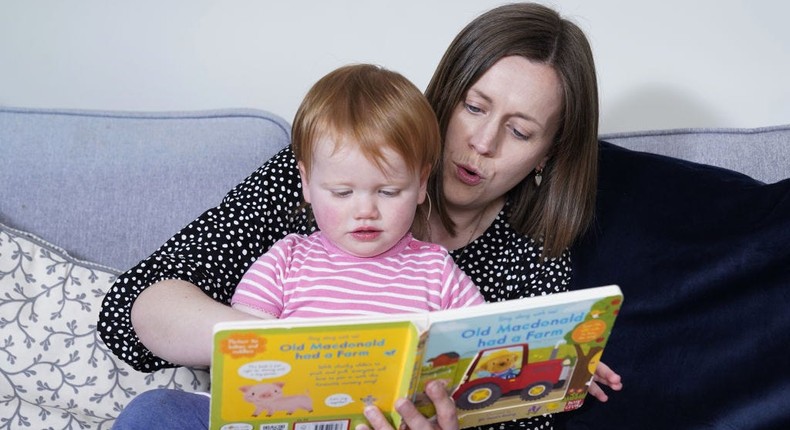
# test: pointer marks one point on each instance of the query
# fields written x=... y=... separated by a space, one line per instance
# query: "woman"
x=516 y=100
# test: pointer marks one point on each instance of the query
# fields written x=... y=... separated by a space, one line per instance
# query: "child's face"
x=360 y=208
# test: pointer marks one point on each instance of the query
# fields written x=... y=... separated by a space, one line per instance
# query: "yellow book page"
x=304 y=374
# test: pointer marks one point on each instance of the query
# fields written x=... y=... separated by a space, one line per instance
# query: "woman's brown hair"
x=558 y=211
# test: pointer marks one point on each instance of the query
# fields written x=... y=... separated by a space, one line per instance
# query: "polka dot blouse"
x=214 y=251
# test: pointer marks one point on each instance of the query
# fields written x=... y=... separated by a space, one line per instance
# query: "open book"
x=501 y=361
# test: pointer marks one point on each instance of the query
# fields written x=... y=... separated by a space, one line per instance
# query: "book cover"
x=502 y=361
x=511 y=362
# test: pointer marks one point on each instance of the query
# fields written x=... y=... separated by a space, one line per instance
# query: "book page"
x=306 y=378
x=521 y=359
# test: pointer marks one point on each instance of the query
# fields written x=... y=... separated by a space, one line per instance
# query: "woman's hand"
x=604 y=375
x=445 y=419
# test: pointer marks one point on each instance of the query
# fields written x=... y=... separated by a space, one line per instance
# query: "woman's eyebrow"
x=521 y=115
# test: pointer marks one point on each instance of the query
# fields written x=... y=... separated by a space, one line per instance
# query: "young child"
x=365 y=139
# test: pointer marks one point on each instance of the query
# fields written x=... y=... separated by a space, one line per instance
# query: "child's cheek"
x=327 y=216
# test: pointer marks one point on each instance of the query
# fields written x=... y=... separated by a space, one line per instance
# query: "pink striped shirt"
x=308 y=276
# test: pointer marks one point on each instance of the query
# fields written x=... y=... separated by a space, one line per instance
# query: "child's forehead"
x=347 y=164
x=335 y=141
x=378 y=152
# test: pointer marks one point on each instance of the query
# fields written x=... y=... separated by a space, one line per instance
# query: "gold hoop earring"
x=428 y=217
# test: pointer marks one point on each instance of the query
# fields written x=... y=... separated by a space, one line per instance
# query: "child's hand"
x=604 y=376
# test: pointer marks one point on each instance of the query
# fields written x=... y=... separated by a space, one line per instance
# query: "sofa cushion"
x=111 y=187
x=702 y=255
x=55 y=371
x=757 y=152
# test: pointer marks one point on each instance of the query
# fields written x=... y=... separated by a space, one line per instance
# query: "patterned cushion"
x=56 y=372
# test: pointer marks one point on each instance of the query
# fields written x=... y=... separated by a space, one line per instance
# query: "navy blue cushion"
x=702 y=255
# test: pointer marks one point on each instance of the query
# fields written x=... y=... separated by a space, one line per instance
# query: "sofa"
x=693 y=224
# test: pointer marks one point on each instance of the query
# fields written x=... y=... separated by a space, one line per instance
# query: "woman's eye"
x=519 y=135
x=472 y=108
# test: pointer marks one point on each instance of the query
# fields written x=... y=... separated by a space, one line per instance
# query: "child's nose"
x=367 y=208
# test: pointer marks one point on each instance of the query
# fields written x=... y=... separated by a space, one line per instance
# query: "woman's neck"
x=470 y=223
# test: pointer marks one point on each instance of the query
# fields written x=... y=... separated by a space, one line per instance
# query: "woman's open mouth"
x=468 y=175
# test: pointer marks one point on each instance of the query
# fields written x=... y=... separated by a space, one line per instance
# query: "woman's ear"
x=542 y=163
x=305 y=182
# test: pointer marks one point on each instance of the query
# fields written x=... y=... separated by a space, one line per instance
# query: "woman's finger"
x=446 y=413
x=606 y=376
x=376 y=419
x=412 y=418
x=597 y=392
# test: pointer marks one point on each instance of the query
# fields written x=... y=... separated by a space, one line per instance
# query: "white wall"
x=662 y=64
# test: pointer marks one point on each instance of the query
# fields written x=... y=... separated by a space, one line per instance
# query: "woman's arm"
x=175 y=320
x=209 y=255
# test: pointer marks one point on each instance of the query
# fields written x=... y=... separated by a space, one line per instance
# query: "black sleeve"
x=212 y=252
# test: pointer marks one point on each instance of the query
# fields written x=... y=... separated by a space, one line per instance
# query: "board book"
x=501 y=361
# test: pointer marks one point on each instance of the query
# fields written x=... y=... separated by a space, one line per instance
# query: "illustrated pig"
x=270 y=398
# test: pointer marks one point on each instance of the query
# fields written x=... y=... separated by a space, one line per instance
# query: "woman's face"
x=500 y=131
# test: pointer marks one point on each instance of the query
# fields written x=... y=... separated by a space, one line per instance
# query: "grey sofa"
x=85 y=195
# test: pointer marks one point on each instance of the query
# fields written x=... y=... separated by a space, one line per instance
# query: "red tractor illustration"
x=505 y=370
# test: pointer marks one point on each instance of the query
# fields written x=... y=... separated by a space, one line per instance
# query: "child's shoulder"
x=300 y=236
x=423 y=246
x=297 y=239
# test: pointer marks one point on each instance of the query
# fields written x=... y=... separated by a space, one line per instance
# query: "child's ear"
x=424 y=174
x=305 y=182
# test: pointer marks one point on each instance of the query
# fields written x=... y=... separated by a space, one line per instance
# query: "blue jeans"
x=164 y=408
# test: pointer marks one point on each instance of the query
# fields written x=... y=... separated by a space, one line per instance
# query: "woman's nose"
x=484 y=138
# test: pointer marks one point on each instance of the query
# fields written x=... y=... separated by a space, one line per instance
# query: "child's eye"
x=341 y=193
x=389 y=193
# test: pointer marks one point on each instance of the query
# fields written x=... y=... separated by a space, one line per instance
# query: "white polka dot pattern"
x=215 y=250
